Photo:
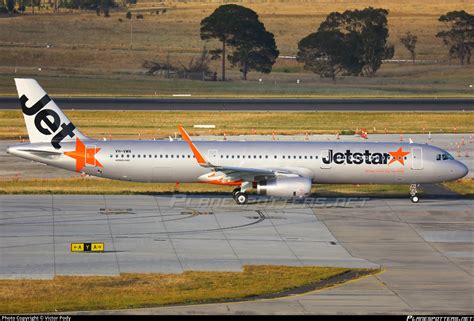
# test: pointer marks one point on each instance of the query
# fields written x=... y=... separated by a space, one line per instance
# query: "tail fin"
x=44 y=120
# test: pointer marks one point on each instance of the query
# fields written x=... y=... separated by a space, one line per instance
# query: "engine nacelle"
x=285 y=187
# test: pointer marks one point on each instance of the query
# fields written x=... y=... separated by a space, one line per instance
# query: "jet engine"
x=285 y=187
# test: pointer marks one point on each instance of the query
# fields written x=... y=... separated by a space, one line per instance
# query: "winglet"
x=201 y=161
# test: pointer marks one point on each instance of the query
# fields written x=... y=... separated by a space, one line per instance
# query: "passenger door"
x=416 y=158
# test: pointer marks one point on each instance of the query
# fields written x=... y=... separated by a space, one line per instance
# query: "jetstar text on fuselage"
x=349 y=157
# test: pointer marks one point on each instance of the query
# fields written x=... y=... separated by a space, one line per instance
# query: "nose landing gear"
x=413 y=197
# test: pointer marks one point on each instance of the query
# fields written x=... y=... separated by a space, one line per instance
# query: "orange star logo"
x=398 y=156
x=84 y=155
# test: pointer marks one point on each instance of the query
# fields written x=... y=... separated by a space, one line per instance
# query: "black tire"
x=235 y=191
x=241 y=198
x=415 y=199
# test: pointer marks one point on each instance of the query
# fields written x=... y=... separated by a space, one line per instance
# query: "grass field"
x=105 y=186
x=129 y=124
x=75 y=293
x=464 y=186
x=91 y=55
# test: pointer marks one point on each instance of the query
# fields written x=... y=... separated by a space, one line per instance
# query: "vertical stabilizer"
x=44 y=120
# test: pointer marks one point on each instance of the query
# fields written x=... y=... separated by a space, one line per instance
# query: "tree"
x=370 y=26
x=254 y=48
x=10 y=5
x=409 y=41
x=328 y=53
x=356 y=42
x=105 y=7
x=238 y=27
x=460 y=34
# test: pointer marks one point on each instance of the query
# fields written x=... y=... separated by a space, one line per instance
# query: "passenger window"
x=138 y=155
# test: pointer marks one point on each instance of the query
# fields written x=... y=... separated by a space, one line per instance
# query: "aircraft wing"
x=249 y=174
x=230 y=174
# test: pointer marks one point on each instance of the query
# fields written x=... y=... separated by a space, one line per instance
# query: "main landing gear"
x=413 y=197
x=240 y=197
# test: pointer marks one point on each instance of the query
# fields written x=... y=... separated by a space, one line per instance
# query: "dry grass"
x=100 y=186
x=69 y=293
x=85 y=45
x=105 y=186
x=81 y=37
x=463 y=186
x=129 y=124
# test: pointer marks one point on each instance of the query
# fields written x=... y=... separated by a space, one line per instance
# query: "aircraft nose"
x=460 y=170
x=8 y=150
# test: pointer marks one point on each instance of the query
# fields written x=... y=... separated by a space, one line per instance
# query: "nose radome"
x=461 y=169
x=8 y=150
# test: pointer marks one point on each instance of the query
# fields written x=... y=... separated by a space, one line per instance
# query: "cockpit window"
x=444 y=156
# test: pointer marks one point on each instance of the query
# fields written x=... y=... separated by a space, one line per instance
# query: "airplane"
x=272 y=168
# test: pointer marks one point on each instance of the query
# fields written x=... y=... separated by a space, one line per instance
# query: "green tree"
x=357 y=42
x=409 y=41
x=370 y=26
x=253 y=48
x=329 y=53
x=459 y=36
x=10 y=5
x=105 y=5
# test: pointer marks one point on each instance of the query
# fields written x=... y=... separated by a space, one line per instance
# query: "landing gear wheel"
x=413 y=191
x=235 y=191
x=241 y=198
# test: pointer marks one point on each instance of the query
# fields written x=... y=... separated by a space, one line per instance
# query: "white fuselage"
x=322 y=162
